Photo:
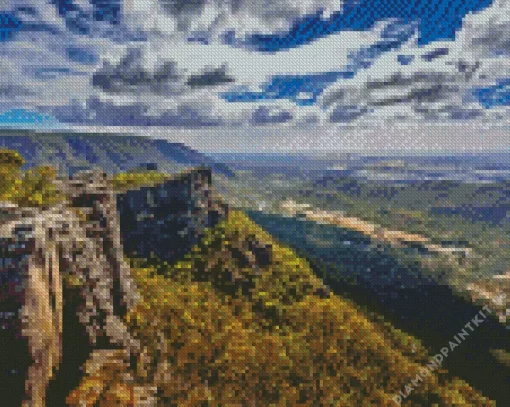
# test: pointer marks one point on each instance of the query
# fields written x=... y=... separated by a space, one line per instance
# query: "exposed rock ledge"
x=67 y=256
x=46 y=252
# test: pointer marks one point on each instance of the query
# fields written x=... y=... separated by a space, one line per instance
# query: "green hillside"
x=243 y=321
x=70 y=152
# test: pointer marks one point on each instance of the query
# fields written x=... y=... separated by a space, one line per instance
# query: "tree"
x=37 y=187
x=10 y=173
x=11 y=157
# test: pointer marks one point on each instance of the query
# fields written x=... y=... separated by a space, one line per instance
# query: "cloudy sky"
x=280 y=74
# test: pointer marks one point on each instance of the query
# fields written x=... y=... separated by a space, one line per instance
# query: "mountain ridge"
x=70 y=152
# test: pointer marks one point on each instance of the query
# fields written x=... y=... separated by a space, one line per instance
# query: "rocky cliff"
x=67 y=262
x=166 y=220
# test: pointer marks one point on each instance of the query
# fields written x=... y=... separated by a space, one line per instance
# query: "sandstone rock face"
x=75 y=246
x=93 y=257
x=31 y=305
x=167 y=220
x=71 y=256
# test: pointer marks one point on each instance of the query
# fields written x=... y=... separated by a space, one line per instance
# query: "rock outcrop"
x=69 y=260
x=46 y=254
x=31 y=307
x=166 y=220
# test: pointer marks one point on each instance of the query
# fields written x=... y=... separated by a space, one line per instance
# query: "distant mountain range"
x=484 y=167
x=71 y=152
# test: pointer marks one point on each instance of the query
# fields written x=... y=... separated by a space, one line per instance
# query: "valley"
x=397 y=244
x=272 y=258
x=406 y=295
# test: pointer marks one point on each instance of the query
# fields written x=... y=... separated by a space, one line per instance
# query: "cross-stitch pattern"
x=254 y=203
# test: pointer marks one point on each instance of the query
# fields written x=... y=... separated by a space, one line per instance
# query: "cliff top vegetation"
x=32 y=187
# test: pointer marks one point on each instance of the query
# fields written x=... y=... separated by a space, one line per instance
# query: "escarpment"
x=166 y=220
x=68 y=260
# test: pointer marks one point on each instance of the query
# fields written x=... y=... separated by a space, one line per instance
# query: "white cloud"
x=385 y=93
x=437 y=88
x=45 y=11
x=213 y=16
x=488 y=32
x=249 y=67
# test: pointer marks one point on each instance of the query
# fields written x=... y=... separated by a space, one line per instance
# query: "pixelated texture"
x=254 y=203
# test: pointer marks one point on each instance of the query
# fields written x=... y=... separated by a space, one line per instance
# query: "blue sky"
x=436 y=20
x=16 y=117
x=254 y=64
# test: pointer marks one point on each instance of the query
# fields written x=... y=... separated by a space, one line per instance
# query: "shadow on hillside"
x=379 y=284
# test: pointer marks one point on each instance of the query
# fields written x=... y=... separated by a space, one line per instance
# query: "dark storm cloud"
x=104 y=113
x=131 y=77
x=210 y=77
x=12 y=91
x=265 y=115
x=346 y=114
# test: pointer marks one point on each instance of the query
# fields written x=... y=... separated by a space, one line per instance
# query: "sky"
x=262 y=74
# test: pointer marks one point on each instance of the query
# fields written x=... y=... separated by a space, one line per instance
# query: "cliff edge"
x=69 y=260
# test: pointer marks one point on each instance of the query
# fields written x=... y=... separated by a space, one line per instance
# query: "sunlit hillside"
x=243 y=321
